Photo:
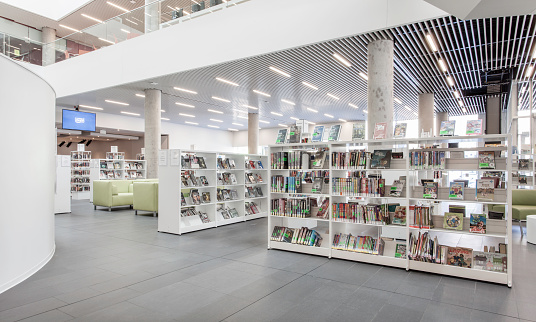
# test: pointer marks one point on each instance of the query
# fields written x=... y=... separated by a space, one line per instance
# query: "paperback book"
x=318 y=133
x=397 y=188
x=447 y=128
x=380 y=130
x=486 y=160
x=523 y=164
x=453 y=220
x=400 y=251
x=318 y=184
x=477 y=223
x=490 y=261
x=459 y=256
x=430 y=190
x=399 y=218
x=358 y=131
x=474 y=127
x=196 y=198
x=334 y=132
x=206 y=197
x=456 y=190
x=400 y=130
x=294 y=134
x=380 y=159
x=485 y=190
x=281 y=136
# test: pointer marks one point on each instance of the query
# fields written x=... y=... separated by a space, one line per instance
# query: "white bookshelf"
x=171 y=186
x=498 y=231
x=80 y=174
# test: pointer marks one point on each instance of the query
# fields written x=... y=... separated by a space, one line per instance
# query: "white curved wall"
x=27 y=173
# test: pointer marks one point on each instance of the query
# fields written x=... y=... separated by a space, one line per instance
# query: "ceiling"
x=52 y=9
x=473 y=51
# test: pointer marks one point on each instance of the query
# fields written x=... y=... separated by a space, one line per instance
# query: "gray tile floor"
x=114 y=266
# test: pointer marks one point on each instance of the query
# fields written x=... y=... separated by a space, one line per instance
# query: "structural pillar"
x=380 y=85
x=48 y=52
x=513 y=106
x=426 y=113
x=493 y=115
x=253 y=133
x=440 y=117
x=153 y=141
x=152 y=15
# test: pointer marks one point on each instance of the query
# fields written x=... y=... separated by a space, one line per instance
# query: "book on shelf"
x=380 y=159
x=300 y=236
x=251 y=208
x=281 y=136
x=400 y=251
x=430 y=190
x=376 y=214
x=400 y=130
x=490 y=261
x=206 y=197
x=204 y=180
x=453 y=220
x=522 y=179
x=318 y=133
x=358 y=131
x=380 y=130
x=194 y=162
x=456 y=190
x=523 y=164
x=460 y=257
x=427 y=160
x=318 y=184
x=323 y=209
x=495 y=215
x=294 y=134
x=196 y=198
x=421 y=217
x=334 y=132
x=465 y=182
x=359 y=244
x=397 y=155
x=424 y=248
x=485 y=190
x=474 y=127
x=373 y=186
x=232 y=164
x=486 y=160
x=202 y=163
x=204 y=217
x=477 y=223
x=399 y=217
x=447 y=128
x=318 y=160
x=397 y=188
x=183 y=200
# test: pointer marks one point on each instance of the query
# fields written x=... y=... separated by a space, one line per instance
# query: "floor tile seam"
x=465 y=307
x=73 y=317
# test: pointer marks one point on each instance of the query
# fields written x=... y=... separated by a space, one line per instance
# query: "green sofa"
x=523 y=204
x=145 y=196
x=115 y=193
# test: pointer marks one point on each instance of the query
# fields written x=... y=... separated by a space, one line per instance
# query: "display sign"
x=76 y=120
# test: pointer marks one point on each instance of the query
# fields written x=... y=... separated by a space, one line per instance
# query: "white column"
x=440 y=117
x=253 y=133
x=426 y=113
x=153 y=106
x=48 y=52
x=380 y=85
x=513 y=107
x=152 y=15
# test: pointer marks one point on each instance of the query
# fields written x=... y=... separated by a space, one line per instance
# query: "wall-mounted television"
x=76 y=120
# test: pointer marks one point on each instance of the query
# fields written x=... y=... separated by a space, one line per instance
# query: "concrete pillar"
x=153 y=106
x=493 y=115
x=380 y=85
x=440 y=117
x=483 y=118
x=426 y=113
x=152 y=15
x=48 y=52
x=512 y=123
x=253 y=133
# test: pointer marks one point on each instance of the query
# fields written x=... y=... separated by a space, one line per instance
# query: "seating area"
x=142 y=195
x=523 y=205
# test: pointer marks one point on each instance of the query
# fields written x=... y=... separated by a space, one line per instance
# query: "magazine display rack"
x=200 y=190
x=523 y=171
x=373 y=183
x=118 y=169
x=80 y=174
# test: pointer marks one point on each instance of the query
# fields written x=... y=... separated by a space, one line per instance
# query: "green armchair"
x=523 y=204
x=146 y=197
x=112 y=193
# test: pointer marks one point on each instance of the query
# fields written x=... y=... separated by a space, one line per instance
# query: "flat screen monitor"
x=76 y=120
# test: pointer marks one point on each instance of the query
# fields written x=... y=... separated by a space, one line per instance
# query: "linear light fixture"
x=116 y=102
x=365 y=111
x=275 y=113
x=234 y=130
x=310 y=85
x=213 y=126
x=216 y=120
x=184 y=104
x=288 y=102
x=333 y=96
x=261 y=93
x=342 y=120
x=294 y=118
x=442 y=65
x=164 y=119
x=431 y=42
x=408 y=108
x=90 y=17
x=221 y=99
x=265 y=122
x=226 y=81
x=118 y=7
x=343 y=60
x=193 y=123
x=312 y=123
x=312 y=110
x=140 y=95
x=534 y=53
x=163 y=111
x=352 y=105
x=279 y=71
x=460 y=102
x=130 y=113
x=91 y=107
x=185 y=90
x=238 y=124
x=363 y=75
x=131 y=21
x=67 y=27
x=328 y=115
x=283 y=125
x=187 y=115
x=125 y=31
x=450 y=81
x=251 y=107
x=215 y=111
x=464 y=110
x=108 y=41
x=242 y=117
x=397 y=100
x=415 y=114
x=529 y=72
x=456 y=94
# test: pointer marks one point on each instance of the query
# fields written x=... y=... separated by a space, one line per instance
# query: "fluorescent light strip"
x=185 y=90
x=214 y=111
x=343 y=60
x=90 y=17
x=460 y=102
x=464 y=110
x=408 y=108
x=397 y=100
x=278 y=114
x=115 y=102
x=333 y=96
x=312 y=110
x=108 y=41
x=140 y=95
x=118 y=7
x=342 y=120
x=164 y=119
x=312 y=123
x=529 y=71
x=67 y=27
x=242 y=117
x=163 y=111
x=279 y=71
x=352 y=105
x=534 y=53
x=450 y=81
x=238 y=124
x=130 y=113
x=193 y=123
x=265 y=122
x=216 y=120
x=294 y=118
x=187 y=115
x=183 y=104
x=234 y=130
x=226 y=81
x=365 y=111
x=442 y=65
x=124 y=30
x=131 y=21
x=456 y=94
x=415 y=114
x=91 y=107
x=328 y=115
x=431 y=42
x=261 y=93
x=185 y=12
x=310 y=85
x=288 y=102
x=363 y=75
x=283 y=125
x=213 y=126
x=221 y=99
x=251 y=107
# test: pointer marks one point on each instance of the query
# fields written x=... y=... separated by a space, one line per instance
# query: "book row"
x=295 y=160
x=300 y=207
x=300 y=236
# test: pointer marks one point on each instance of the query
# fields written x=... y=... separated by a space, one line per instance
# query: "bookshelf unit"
x=176 y=217
x=119 y=169
x=378 y=239
x=80 y=174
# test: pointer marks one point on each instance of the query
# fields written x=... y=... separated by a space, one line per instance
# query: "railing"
x=22 y=47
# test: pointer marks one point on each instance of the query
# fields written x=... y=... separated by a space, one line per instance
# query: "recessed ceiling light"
x=352 y=105
x=213 y=126
x=363 y=75
x=529 y=71
x=140 y=95
x=464 y=110
x=365 y=111
x=312 y=110
x=456 y=94
x=131 y=21
x=398 y=101
x=333 y=96
x=216 y=120
x=130 y=113
x=310 y=85
x=343 y=60
x=442 y=65
x=193 y=123
x=431 y=42
x=90 y=17
x=275 y=113
x=221 y=99
x=226 y=81
x=106 y=40
x=185 y=90
x=265 y=122
x=116 y=102
x=251 y=107
x=125 y=31
x=234 y=130
x=91 y=107
x=283 y=125
x=242 y=117
x=288 y=102
x=279 y=71
x=460 y=102
x=187 y=115
x=294 y=118
x=164 y=119
x=408 y=108
x=238 y=124
x=67 y=27
x=214 y=111
x=184 y=104
x=328 y=115
x=118 y=7
x=342 y=120
x=261 y=93
x=312 y=123
x=450 y=81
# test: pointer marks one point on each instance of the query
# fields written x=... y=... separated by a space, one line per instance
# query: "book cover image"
x=318 y=184
x=486 y=160
x=447 y=128
x=318 y=133
x=334 y=132
x=380 y=130
x=396 y=188
x=459 y=256
x=522 y=179
x=477 y=224
x=400 y=251
x=399 y=218
x=485 y=189
x=474 y=127
x=380 y=159
x=400 y=130
x=294 y=134
x=281 y=136
x=358 y=131
x=206 y=197
x=523 y=164
x=456 y=190
x=430 y=190
x=453 y=220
